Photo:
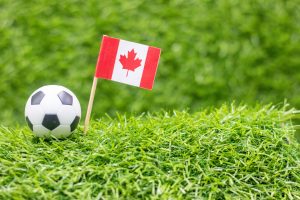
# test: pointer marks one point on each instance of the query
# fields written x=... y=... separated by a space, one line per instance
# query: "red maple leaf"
x=129 y=62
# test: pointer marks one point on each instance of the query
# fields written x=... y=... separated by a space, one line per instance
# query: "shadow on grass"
x=297 y=132
x=49 y=140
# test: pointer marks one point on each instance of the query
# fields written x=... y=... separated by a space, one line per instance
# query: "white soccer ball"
x=52 y=110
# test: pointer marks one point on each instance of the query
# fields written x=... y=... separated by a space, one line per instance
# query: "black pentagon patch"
x=65 y=98
x=50 y=122
x=75 y=123
x=29 y=123
x=37 y=98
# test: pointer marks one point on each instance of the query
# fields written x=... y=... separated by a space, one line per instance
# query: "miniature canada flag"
x=127 y=62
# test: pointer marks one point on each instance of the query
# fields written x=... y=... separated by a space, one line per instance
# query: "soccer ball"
x=52 y=110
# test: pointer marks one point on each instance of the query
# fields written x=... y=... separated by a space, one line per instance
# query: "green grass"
x=212 y=52
x=233 y=152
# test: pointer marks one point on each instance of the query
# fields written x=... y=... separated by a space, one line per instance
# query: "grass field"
x=138 y=147
x=233 y=152
x=212 y=52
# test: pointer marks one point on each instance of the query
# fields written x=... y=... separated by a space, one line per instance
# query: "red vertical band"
x=150 y=68
x=107 y=57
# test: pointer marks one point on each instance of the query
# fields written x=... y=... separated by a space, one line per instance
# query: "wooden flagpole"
x=90 y=105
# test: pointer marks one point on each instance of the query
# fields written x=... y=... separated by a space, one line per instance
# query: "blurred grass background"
x=212 y=52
